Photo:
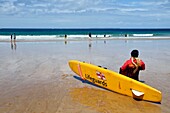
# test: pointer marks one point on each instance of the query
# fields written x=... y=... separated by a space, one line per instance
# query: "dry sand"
x=35 y=76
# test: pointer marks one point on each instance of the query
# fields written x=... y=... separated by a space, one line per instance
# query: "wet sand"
x=35 y=76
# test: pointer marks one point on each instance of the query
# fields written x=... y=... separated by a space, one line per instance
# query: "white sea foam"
x=143 y=35
x=32 y=37
x=52 y=37
x=77 y=37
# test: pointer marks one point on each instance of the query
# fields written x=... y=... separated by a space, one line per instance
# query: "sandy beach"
x=35 y=76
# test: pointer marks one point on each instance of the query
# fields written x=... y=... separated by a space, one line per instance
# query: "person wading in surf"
x=132 y=66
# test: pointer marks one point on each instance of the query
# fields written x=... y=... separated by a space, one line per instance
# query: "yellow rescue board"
x=114 y=81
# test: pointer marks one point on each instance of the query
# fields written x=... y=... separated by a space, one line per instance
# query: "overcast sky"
x=85 y=13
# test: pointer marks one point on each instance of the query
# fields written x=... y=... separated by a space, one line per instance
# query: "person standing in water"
x=11 y=37
x=132 y=66
x=14 y=37
x=13 y=44
x=90 y=36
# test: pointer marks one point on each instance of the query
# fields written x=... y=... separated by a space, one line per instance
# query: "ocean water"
x=82 y=33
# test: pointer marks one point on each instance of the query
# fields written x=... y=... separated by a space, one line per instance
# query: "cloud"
x=45 y=6
x=75 y=12
x=40 y=7
x=153 y=3
x=7 y=7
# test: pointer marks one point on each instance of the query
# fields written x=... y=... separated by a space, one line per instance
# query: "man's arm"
x=142 y=67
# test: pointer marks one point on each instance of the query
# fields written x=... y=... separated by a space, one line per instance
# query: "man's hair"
x=135 y=53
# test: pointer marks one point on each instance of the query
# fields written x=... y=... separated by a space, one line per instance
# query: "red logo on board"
x=100 y=75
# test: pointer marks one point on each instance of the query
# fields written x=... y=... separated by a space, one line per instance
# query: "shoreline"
x=87 y=39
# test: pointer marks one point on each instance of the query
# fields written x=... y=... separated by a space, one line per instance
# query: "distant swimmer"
x=13 y=44
x=11 y=37
x=14 y=37
x=126 y=35
x=65 y=36
x=90 y=36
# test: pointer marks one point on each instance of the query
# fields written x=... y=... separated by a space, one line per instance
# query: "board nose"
x=71 y=63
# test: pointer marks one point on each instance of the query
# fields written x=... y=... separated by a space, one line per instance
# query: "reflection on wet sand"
x=13 y=45
x=90 y=44
x=108 y=102
x=65 y=42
